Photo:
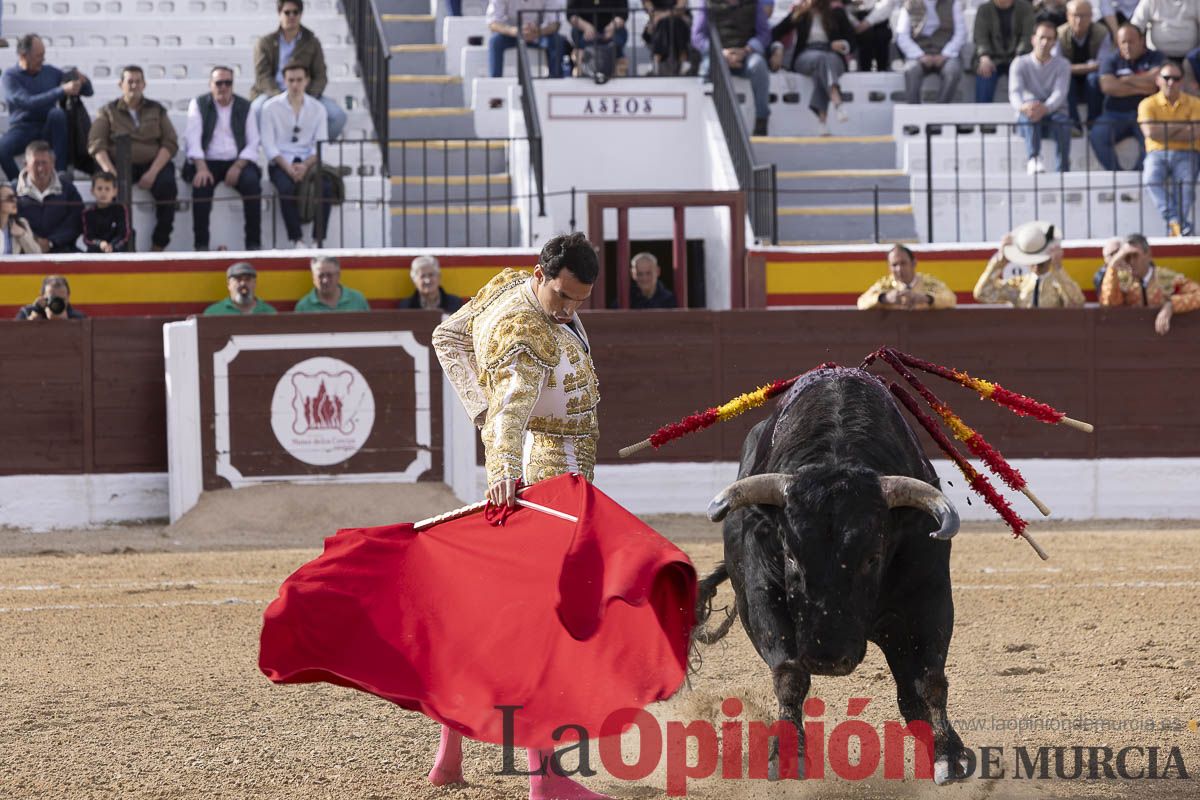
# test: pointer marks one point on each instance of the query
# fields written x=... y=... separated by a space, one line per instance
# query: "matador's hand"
x=503 y=493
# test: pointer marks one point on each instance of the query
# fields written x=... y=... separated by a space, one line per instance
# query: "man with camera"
x=54 y=302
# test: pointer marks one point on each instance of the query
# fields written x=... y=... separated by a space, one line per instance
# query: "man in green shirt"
x=241 y=279
x=327 y=293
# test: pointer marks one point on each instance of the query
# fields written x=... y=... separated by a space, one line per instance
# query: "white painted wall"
x=631 y=153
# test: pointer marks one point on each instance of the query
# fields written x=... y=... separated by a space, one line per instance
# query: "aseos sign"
x=614 y=106
x=322 y=411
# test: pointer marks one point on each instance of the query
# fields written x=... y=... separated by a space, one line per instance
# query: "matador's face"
x=562 y=295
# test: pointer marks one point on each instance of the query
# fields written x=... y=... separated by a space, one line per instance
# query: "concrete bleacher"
x=177 y=42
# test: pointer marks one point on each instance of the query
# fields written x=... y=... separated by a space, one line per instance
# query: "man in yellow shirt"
x=904 y=288
x=1167 y=121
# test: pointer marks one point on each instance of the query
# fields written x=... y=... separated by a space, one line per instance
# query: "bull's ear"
x=901 y=490
x=768 y=489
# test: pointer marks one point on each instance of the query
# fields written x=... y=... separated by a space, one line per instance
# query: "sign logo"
x=595 y=105
x=322 y=411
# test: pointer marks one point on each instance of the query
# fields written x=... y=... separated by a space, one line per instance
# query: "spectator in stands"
x=1107 y=253
x=1170 y=123
x=242 y=281
x=1053 y=10
x=454 y=8
x=1172 y=27
x=292 y=43
x=745 y=43
x=539 y=21
x=1046 y=285
x=222 y=147
x=905 y=289
x=595 y=22
x=153 y=144
x=16 y=238
x=647 y=290
x=1133 y=279
x=426 y=276
x=1038 y=85
x=1003 y=31
x=1116 y=13
x=53 y=303
x=49 y=204
x=327 y=293
x=822 y=35
x=106 y=226
x=292 y=124
x=1085 y=44
x=1127 y=77
x=931 y=34
x=873 y=48
x=32 y=90
x=668 y=33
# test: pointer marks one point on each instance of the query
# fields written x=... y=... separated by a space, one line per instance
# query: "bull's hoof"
x=941 y=770
x=447 y=776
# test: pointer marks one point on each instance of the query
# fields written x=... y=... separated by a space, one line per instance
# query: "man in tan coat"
x=904 y=288
x=153 y=144
x=292 y=43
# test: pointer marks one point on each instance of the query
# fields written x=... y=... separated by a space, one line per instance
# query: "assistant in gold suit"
x=519 y=358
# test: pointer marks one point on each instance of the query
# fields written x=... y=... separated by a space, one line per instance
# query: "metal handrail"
x=757 y=180
x=375 y=58
x=533 y=125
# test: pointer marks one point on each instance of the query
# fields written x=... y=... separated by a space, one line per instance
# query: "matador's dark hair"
x=571 y=251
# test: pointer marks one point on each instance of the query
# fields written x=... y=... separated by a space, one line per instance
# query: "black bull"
x=835 y=535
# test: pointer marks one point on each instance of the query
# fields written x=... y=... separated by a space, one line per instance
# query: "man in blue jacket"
x=32 y=90
x=50 y=205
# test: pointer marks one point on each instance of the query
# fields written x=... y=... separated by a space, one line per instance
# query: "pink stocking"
x=447 y=766
x=551 y=785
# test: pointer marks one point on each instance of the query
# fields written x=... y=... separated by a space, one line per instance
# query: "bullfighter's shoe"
x=546 y=784
x=447 y=765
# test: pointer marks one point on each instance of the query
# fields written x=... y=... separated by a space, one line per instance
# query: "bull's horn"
x=769 y=489
x=900 y=490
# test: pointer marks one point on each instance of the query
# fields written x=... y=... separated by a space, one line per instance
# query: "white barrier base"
x=48 y=502
x=1125 y=488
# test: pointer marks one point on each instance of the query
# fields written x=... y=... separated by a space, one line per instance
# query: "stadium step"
x=463 y=157
x=424 y=91
x=474 y=225
x=452 y=189
x=444 y=122
x=799 y=152
x=842 y=186
x=409 y=28
x=846 y=222
x=418 y=59
x=402 y=6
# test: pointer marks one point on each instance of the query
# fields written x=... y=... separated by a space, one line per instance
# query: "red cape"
x=570 y=621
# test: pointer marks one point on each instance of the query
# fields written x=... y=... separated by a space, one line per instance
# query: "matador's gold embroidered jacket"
x=1120 y=288
x=527 y=381
x=939 y=293
x=1054 y=289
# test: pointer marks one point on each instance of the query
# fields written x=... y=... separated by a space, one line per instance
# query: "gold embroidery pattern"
x=525 y=330
x=513 y=392
x=554 y=455
x=574 y=381
x=585 y=401
x=583 y=424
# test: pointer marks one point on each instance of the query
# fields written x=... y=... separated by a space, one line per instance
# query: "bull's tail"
x=702 y=633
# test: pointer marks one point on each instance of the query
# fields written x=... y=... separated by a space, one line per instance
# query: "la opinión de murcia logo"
x=322 y=411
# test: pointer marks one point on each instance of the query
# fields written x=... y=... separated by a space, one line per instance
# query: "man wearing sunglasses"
x=292 y=124
x=222 y=147
x=292 y=43
x=1169 y=120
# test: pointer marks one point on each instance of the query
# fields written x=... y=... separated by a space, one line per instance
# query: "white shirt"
x=1170 y=25
x=280 y=125
x=912 y=50
x=222 y=146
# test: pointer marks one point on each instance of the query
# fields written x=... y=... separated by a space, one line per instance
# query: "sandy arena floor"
x=128 y=666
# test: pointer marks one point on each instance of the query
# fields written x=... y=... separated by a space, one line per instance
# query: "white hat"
x=1031 y=243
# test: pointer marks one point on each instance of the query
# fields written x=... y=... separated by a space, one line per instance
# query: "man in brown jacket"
x=292 y=43
x=153 y=145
